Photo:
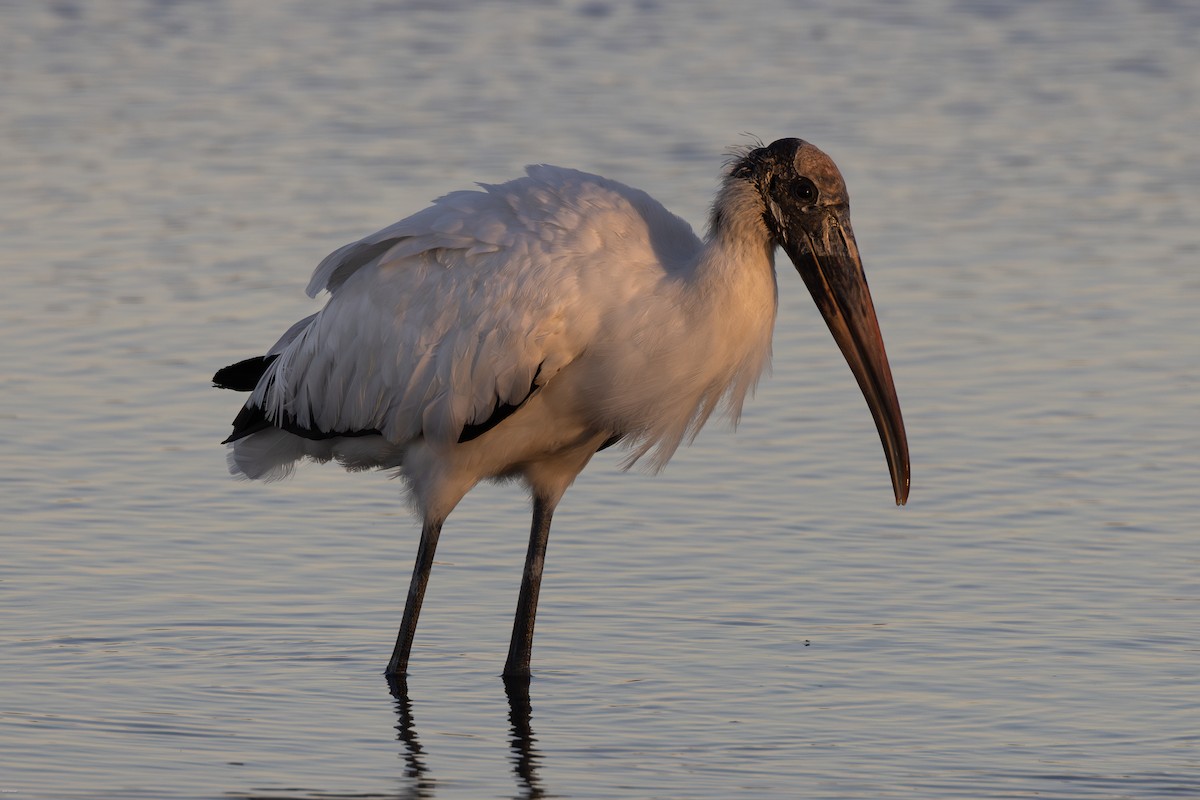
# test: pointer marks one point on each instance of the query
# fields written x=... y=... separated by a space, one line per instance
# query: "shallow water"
x=758 y=620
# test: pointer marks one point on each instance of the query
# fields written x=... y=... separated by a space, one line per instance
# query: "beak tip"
x=901 y=486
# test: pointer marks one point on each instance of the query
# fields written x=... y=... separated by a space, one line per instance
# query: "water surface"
x=757 y=621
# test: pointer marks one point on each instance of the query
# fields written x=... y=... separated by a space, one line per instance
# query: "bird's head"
x=806 y=211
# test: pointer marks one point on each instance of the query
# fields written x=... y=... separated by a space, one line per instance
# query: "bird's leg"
x=398 y=665
x=517 y=665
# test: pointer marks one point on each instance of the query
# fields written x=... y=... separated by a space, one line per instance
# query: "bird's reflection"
x=419 y=784
x=525 y=756
x=406 y=732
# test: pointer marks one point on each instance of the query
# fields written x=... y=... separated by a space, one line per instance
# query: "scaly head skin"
x=806 y=211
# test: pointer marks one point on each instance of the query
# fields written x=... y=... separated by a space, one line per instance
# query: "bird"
x=513 y=330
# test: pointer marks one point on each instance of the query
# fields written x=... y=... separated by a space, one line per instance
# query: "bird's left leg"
x=521 y=645
x=398 y=665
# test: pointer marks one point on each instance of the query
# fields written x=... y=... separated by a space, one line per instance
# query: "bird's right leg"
x=521 y=644
x=398 y=665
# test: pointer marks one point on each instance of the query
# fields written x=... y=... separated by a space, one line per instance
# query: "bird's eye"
x=804 y=190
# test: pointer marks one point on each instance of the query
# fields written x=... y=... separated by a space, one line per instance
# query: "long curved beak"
x=826 y=256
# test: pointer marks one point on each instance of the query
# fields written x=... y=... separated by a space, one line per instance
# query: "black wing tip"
x=249 y=420
x=501 y=412
x=252 y=419
x=244 y=375
x=610 y=441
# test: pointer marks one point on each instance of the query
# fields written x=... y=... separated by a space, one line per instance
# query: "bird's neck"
x=735 y=289
x=739 y=254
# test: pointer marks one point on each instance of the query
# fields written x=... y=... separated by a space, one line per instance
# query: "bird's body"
x=515 y=330
x=530 y=292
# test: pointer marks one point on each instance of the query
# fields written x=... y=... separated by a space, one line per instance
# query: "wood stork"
x=515 y=330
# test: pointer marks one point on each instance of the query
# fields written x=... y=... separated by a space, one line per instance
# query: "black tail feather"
x=250 y=419
x=244 y=375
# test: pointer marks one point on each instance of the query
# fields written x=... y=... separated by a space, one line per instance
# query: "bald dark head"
x=805 y=209
x=795 y=180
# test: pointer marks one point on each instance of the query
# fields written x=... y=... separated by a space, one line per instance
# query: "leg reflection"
x=525 y=757
x=414 y=756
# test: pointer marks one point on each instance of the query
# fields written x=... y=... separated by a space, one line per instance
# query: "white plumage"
x=435 y=320
x=515 y=329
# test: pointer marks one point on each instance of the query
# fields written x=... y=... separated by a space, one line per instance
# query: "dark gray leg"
x=521 y=645
x=398 y=666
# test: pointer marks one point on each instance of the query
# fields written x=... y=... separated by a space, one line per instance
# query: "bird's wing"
x=438 y=322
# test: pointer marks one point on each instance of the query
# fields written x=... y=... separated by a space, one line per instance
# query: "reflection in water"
x=416 y=774
x=413 y=755
x=525 y=757
x=420 y=784
x=303 y=794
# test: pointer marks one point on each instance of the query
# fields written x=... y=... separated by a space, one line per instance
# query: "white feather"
x=591 y=288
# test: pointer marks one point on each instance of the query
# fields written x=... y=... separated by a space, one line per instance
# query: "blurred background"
x=757 y=621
